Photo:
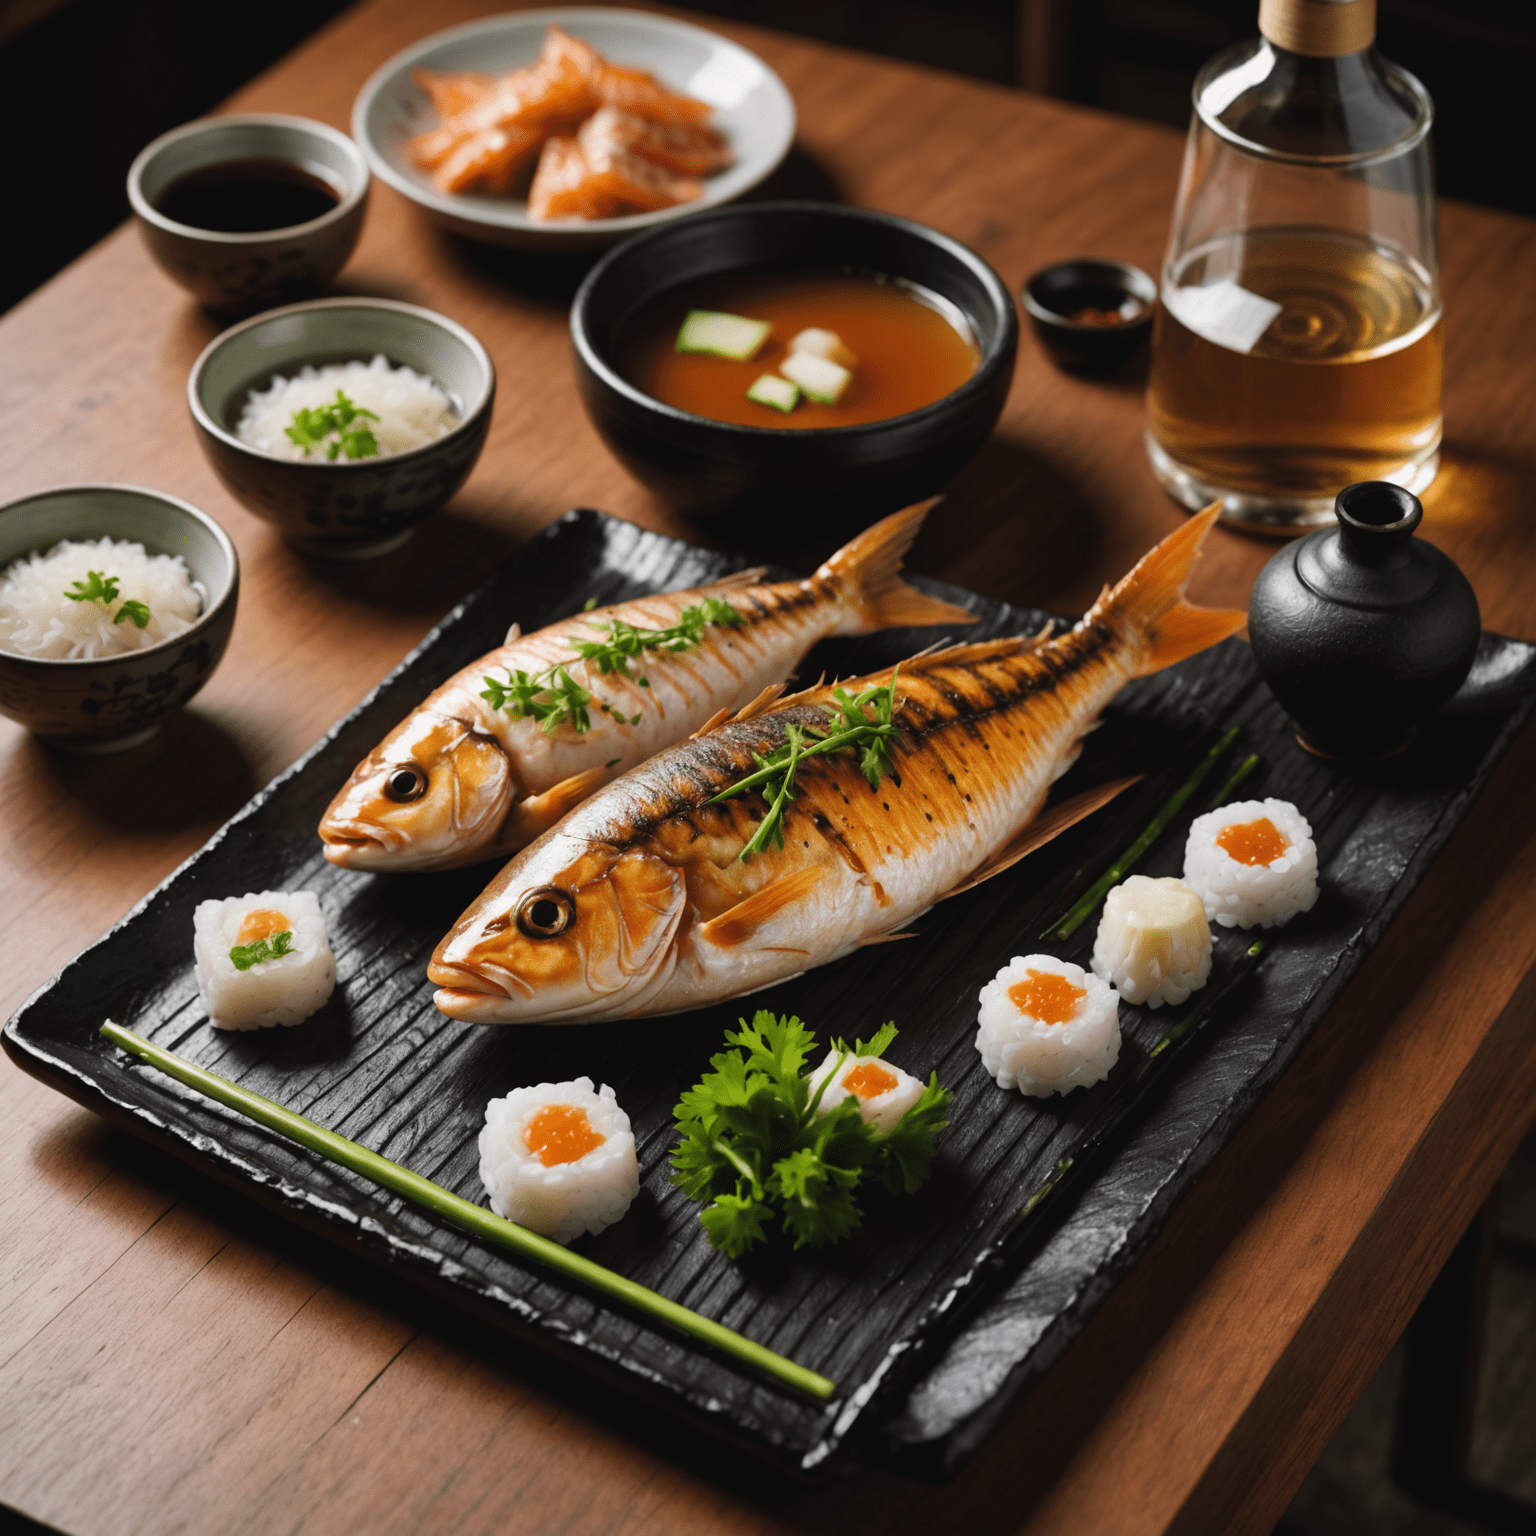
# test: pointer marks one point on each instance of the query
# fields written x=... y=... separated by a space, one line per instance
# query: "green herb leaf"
x=247 y=955
x=337 y=427
x=754 y=1145
x=553 y=699
x=96 y=588
x=138 y=612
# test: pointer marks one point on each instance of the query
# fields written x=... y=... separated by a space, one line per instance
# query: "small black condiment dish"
x=1054 y=295
x=1361 y=630
x=827 y=480
x=236 y=272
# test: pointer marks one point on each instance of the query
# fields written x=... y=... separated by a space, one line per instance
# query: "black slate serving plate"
x=931 y=1320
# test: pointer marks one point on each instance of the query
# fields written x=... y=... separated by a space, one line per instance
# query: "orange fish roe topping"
x=869 y=1080
x=1047 y=996
x=263 y=923
x=561 y=1133
x=1253 y=842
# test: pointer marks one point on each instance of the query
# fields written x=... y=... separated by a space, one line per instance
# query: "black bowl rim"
x=1122 y=269
x=993 y=358
x=471 y=420
x=228 y=597
x=356 y=194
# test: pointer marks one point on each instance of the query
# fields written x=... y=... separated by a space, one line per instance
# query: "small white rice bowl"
x=37 y=619
x=562 y=1200
x=1040 y=1059
x=413 y=410
x=281 y=991
x=882 y=1110
x=1153 y=944
x=1240 y=895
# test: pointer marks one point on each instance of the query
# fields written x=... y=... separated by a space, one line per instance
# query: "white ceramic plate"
x=752 y=108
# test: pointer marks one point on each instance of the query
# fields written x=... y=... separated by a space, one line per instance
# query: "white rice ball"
x=1039 y=1058
x=284 y=990
x=1239 y=895
x=895 y=1091
x=560 y=1199
x=1154 y=943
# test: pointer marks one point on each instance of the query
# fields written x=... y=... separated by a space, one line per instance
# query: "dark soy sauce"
x=242 y=197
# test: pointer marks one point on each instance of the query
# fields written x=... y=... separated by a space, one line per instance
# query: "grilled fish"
x=638 y=903
x=459 y=781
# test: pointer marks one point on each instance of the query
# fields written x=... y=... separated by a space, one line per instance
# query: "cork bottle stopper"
x=1325 y=29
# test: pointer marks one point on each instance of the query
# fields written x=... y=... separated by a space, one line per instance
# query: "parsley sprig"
x=341 y=420
x=554 y=698
x=98 y=587
x=861 y=724
x=755 y=1145
x=247 y=955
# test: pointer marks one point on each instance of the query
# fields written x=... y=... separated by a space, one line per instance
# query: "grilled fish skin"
x=637 y=903
x=458 y=781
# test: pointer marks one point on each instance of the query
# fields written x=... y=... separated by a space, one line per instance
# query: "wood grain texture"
x=171 y=1359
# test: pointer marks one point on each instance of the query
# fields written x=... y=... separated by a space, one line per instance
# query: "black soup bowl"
x=828 y=478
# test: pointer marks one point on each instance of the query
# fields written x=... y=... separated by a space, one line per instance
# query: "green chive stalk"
x=1225 y=793
x=473 y=1218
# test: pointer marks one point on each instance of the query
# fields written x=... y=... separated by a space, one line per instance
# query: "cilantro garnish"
x=247 y=955
x=339 y=420
x=98 y=587
x=851 y=729
x=755 y=1146
x=554 y=698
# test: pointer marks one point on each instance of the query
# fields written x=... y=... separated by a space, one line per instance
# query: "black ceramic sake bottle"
x=1361 y=630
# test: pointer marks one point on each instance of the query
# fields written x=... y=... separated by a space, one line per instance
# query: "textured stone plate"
x=928 y=1321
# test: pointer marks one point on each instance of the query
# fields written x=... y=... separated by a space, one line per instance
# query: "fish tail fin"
x=866 y=573
x=1148 y=603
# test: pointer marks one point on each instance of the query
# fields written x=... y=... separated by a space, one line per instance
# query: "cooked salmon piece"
x=451 y=92
x=690 y=149
x=571 y=185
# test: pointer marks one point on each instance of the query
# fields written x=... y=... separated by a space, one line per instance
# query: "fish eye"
x=405 y=784
x=544 y=913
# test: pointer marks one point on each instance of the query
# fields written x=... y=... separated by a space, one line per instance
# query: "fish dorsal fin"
x=515 y=633
x=747 y=578
x=811 y=695
x=534 y=816
x=977 y=650
x=887 y=938
x=747 y=711
x=1050 y=823
x=740 y=922
x=714 y=723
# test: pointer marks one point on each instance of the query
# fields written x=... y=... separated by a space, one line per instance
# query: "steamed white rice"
x=562 y=1200
x=280 y=991
x=882 y=1110
x=1153 y=944
x=413 y=410
x=1040 y=1059
x=1240 y=895
x=37 y=619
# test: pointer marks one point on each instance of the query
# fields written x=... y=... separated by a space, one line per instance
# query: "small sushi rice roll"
x=1153 y=944
x=559 y=1158
x=1048 y=1026
x=263 y=959
x=884 y=1093
x=1253 y=864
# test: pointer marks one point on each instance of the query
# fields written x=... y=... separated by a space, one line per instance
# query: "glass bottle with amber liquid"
x=1298 y=348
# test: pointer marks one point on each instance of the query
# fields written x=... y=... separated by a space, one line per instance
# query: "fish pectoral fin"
x=534 y=816
x=739 y=923
x=515 y=633
x=1050 y=823
x=888 y=938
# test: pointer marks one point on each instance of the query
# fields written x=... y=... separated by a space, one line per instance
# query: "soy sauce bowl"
x=825 y=481
x=1053 y=297
x=235 y=272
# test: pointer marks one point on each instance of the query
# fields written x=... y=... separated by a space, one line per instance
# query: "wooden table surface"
x=172 y=1358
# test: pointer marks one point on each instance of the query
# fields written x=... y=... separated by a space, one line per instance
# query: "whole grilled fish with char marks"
x=638 y=903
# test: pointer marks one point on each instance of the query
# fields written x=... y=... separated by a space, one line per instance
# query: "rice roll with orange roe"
x=559 y=1158
x=1154 y=943
x=1048 y=1026
x=884 y=1093
x=1253 y=863
x=262 y=959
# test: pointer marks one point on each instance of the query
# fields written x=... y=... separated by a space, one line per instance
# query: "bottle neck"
x=1322 y=29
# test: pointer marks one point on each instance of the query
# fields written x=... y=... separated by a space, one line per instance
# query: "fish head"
x=571 y=930
x=435 y=792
